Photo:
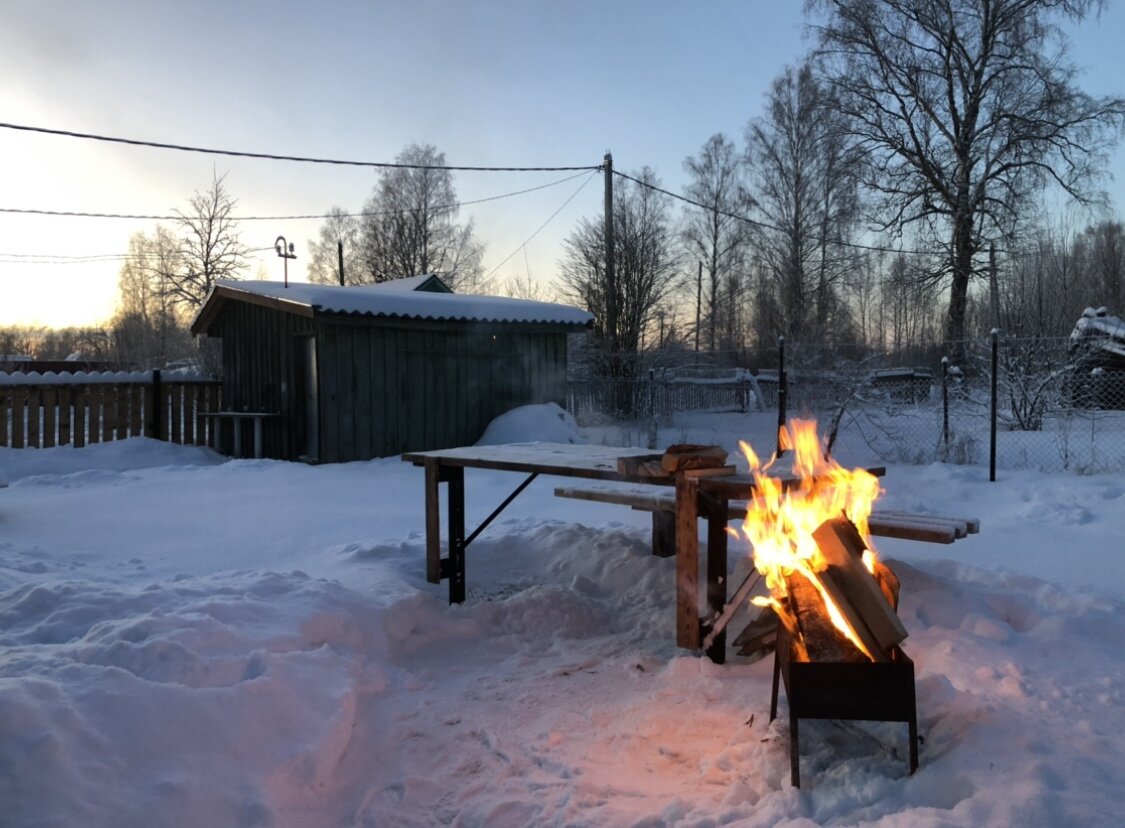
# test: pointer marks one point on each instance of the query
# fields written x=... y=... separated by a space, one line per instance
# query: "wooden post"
x=155 y=425
x=455 y=502
x=610 y=263
x=433 y=521
x=50 y=401
x=716 y=510
x=33 y=406
x=18 y=398
x=688 y=634
x=340 y=259
x=78 y=424
x=66 y=395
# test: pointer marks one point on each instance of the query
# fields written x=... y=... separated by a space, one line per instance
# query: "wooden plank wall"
x=386 y=389
x=259 y=373
x=42 y=416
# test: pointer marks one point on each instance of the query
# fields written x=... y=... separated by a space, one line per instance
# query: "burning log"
x=855 y=588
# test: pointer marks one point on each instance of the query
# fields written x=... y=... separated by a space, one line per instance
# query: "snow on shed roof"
x=392 y=300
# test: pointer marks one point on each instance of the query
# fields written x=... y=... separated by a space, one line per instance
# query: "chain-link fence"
x=599 y=401
x=1051 y=404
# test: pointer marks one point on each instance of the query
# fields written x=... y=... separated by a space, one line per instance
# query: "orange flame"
x=780 y=518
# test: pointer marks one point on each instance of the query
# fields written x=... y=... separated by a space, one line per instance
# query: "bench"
x=661 y=502
x=237 y=418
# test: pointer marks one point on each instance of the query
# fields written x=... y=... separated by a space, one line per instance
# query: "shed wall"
x=258 y=371
x=390 y=388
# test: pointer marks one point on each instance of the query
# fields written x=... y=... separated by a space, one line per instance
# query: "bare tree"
x=209 y=245
x=964 y=108
x=149 y=328
x=645 y=266
x=409 y=226
x=716 y=235
x=324 y=259
x=806 y=177
x=1102 y=249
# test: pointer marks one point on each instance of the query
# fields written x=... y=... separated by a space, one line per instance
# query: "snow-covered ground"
x=192 y=641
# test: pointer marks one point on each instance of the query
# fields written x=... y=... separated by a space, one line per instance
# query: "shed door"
x=309 y=389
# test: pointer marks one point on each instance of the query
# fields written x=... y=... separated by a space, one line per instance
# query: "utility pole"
x=610 y=268
x=285 y=252
x=340 y=259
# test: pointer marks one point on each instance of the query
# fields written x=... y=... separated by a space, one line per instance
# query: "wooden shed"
x=359 y=372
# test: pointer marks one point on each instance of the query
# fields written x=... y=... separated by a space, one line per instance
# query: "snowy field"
x=187 y=640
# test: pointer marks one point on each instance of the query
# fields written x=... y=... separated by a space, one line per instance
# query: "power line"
x=267 y=156
x=362 y=214
x=97 y=258
x=527 y=241
x=765 y=225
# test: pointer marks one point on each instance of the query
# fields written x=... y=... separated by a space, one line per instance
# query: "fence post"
x=156 y=426
x=782 y=391
x=992 y=429
x=652 y=428
x=945 y=403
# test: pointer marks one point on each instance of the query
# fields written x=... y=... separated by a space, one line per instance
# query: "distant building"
x=372 y=371
x=1097 y=350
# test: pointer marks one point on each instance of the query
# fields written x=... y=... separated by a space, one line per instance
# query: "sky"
x=488 y=83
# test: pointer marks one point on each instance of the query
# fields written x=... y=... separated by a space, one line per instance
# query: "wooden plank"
x=363 y=410
x=93 y=408
x=904 y=530
x=860 y=597
x=81 y=415
x=347 y=389
x=34 y=406
x=50 y=401
x=972 y=525
x=176 y=400
x=109 y=411
x=66 y=396
x=433 y=521
x=18 y=405
x=5 y=410
x=122 y=411
x=688 y=633
x=136 y=410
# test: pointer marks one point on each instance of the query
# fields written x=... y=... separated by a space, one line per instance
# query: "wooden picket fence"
x=82 y=409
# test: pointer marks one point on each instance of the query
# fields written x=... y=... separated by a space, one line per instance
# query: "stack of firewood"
x=677 y=458
x=868 y=603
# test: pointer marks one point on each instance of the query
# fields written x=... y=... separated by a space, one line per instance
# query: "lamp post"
x=285 y=252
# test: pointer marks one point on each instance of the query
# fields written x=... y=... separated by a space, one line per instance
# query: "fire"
x=780 y=520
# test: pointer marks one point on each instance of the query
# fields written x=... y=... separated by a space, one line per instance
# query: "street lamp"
x=285 y=252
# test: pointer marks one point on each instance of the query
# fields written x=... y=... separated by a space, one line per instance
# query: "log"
x=631 y=466
x=856 y=591
x=760 y=635
x=685 y=456
x=822 y=641
x=889 y=583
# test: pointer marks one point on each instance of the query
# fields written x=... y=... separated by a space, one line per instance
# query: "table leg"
x=455 y=492
x=717 y=571
x=688 y=634
x=433 y=521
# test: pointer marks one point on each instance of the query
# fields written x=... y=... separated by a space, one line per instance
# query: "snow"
x=190 y=640
x=373 y=300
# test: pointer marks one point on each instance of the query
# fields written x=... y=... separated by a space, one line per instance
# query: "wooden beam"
x=688 y=633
